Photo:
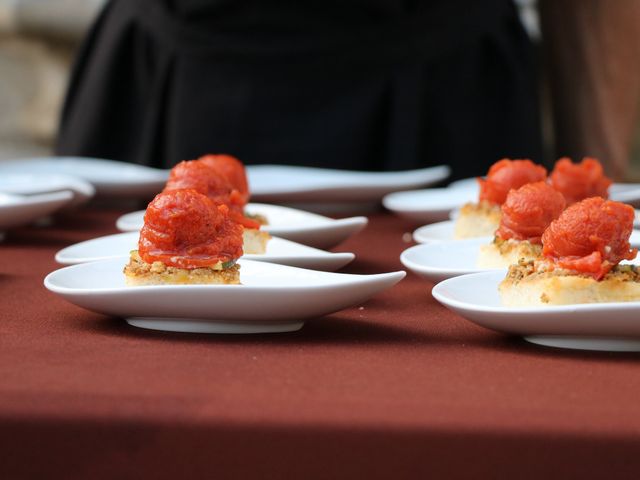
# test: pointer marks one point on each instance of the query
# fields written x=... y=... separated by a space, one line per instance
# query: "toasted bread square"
x=138 y=272
x=503 y=253
x=477 y=220
x=528 y=285
x=255 y=241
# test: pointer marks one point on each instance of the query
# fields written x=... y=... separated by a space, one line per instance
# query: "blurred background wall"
x=38 y=40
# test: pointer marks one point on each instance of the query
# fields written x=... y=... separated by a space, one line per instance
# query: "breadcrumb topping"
x=540 y=269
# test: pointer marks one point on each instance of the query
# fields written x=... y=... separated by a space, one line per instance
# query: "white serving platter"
x=470 y=184
x=429 y=205
x=292 y=224
x=33 y=184
x=589 y=326
x=438 y=261
x=443 y=232
x=18 y=210
x=620 y=192
x=625 y=192
x=109 y=177
x=441 y=260
x=272 y=298
x=436 y=232
x=435 y=204
x=281 y=183
x=284 y=252
x=439 y=232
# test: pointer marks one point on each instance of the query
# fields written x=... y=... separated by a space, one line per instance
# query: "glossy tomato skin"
x=590 y=237
x=528 y=211
x=200 y=176
x=183 y=228
x=577 y=181
x=232 y=169
x=505 y=175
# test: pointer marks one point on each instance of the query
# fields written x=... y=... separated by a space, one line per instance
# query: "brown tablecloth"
x=398 y=387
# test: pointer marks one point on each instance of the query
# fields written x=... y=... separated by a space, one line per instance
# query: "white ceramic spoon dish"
x=281 y=183
x=279 y=251
x=296 y=225
x=470 y=184
x=589 y=326
x=426 y=206
x=271 y=298
x=438 y=261
x=441 y=260
x=33 y=184
x=443 y=232
x=109 y=177
x=620 y=192
x=18 y=210
x=432 y=205
x=435 y=232
x=625 y=192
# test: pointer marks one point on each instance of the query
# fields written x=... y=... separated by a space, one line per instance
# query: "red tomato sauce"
x=528 y=211
x=185 y=229
x=507 y=174
x=591 y=237
x=577 y=181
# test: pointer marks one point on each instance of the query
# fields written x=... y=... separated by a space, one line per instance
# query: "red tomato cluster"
x=591 y=236
x=198 y=219
x=184 y=228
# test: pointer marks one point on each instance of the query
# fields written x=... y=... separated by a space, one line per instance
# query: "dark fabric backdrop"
x=382 y=85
